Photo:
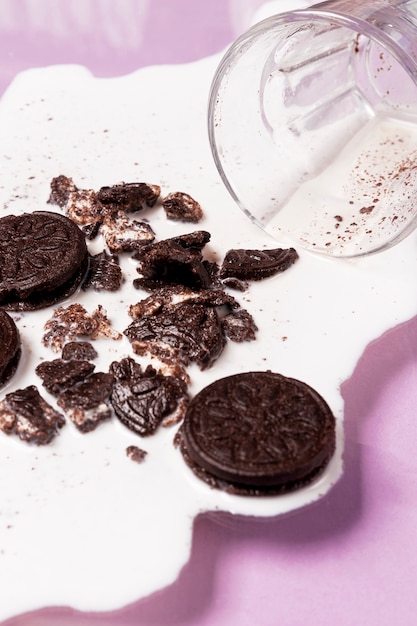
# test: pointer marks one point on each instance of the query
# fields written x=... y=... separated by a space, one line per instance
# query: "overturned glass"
x=313 y=125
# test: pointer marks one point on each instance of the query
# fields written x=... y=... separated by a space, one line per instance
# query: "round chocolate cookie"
x=43 y=258
x=257 y=433
x=10 y=349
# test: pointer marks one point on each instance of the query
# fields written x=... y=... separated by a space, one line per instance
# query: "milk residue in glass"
x=362 y=197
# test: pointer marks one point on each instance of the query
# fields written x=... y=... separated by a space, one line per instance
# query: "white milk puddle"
x=81 y=525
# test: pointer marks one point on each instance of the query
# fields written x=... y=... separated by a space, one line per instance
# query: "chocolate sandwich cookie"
x=257 y=433
x=10 y=348
x=43 y=259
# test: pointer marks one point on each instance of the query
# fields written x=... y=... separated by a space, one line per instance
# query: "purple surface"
x=111 y=38
x=351 y=558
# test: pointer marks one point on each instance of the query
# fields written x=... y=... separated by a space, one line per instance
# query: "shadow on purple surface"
x=189 y=599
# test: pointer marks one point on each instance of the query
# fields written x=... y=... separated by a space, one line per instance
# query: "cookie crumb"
x=181 y=207
x=136 y=454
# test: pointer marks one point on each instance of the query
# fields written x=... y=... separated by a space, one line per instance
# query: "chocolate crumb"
x=239 y=326
x=180 y=206
x=136 y=454
x=61 y=188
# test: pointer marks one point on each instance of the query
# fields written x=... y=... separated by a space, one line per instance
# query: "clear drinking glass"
x=312 y=123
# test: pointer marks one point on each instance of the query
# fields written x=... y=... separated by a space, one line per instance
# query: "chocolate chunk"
x=129 y=197
x=79 y=351
x=25 y=413
x=257 y=433
x=256 y=264
x=142 y=400
x=175 y=261
x=10 y=347
x=104 y=273
x=182 y=207
x=58 y=374
x=43 y=258
x=86 y=403
x=193 y=330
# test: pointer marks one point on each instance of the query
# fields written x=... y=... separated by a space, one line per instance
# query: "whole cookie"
x=258 y=432
x=43 y=258
x=10 y=349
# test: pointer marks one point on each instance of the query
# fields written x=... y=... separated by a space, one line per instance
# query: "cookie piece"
x=176 y=261
x=142 y=400
x=104 y=273
x=58 y=374
x=239 y=326
x=129 y=197
x=61 y=189
x=125 y=235
x=79 y=351
x=68 y=323
x=257 y=433
x=194 y=331
x=256 y=264
x=181 y=207
x=10 y=347
x=43 y=259
x=28 y=415
x=86 y=403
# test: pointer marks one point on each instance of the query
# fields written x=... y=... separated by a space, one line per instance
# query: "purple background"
x=349 y=560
